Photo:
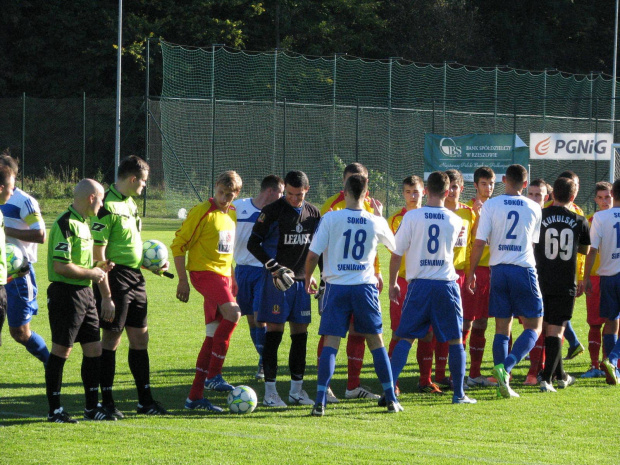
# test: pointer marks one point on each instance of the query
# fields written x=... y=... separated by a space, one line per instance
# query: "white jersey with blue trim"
x=348 y=240
x=426 y=237
x=22 y=211
x=510 y=224
x=605 y=237
x=247 y=214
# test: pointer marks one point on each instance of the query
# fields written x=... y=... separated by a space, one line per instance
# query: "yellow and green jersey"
x=462 y=248
x=394 y=222
x=69 y=241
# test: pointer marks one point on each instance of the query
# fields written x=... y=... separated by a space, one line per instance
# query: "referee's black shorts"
x=558 y=308
x=129 y=296
x=72 y=313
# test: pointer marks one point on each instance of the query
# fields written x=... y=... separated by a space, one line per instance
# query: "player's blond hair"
x=230 y=180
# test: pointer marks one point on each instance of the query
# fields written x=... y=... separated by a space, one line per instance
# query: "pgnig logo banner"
x=570 y=146
x=467 y=153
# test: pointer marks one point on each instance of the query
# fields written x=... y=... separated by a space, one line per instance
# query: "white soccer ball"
x=14 y=259
x=242 y=399
x=154 y=254
x=182 y=213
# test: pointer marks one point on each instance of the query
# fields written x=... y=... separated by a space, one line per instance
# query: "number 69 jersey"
x=427 y=237
x=348 y=241
x=561 y=233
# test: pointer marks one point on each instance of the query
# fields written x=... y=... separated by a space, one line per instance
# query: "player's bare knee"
x=138 y=338
x=110 y=340
x=92 y=349
x=480 y=324
x=20 y=334
x=374 y=341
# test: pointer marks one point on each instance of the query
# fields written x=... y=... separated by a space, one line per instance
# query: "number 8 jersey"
x=426 y=237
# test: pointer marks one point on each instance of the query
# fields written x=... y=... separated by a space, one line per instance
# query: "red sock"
x=536 y=356
x=319 y=349
x=221 y=339
x=202 y=364
x=393 y=343
x=477 y=342
x=441 y=360
x=465 y=337
x=355 y=354
x=594 y=345
x=424 y=355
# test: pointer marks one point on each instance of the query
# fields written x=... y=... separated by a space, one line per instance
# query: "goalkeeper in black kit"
x=280 y=240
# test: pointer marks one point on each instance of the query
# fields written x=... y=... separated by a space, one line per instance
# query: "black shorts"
x=3 y=307
x=558 y=308
x=72 y=313
x=129 y=296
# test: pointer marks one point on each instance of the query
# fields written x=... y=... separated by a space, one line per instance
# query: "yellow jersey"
x=394 y=222
x=484 y=259
x=462 y=248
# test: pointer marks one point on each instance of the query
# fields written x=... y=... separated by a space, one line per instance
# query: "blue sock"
x=610 y=341
x=327 y=365
x=259 y=342
x=456 y=361
x=521 y=348
x=500 y=348
x=570 y=335
x=399 y=358
x=36 y=346
x=384 y=372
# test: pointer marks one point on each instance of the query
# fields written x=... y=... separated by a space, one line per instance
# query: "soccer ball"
x=14 y=259
x=154 y=254
x=242 y=399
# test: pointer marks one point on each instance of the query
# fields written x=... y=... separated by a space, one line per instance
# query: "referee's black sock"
x=108 y=368
x=297 y=356
x=140 y=369
x=553 y=353
x=91 y=367
x=270 y=355
x=53 y=381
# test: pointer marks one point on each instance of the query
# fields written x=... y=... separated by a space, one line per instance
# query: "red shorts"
x=476 y=306
x=216 y=290
x=461 y=281
x=593 y=303
x=397 y=309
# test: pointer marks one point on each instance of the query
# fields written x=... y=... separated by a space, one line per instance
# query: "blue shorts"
x=340 y=302
x=250 y=283
x=514 y=292
x=431 y=302
x=21 y=296
x=276 y=306
x=610 y=297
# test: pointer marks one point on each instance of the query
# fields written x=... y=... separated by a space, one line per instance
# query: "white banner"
x=570 y=146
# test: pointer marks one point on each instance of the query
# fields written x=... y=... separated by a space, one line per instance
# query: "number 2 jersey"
x=348 y=241
x=562 y=231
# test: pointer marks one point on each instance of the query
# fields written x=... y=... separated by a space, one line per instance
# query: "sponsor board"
x=570 y=146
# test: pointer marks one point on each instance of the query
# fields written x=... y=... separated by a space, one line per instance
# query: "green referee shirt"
x=2 y=252
x=117 y=227
x=70 y=241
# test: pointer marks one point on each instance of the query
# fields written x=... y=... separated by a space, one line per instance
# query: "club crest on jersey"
x=225 y=244
x=261 y=218
x=299 y=228
x=276 y=310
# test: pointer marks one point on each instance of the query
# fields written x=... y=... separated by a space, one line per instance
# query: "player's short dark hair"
x=413 y=181
x=570 y=175
x=564 y=189
x=483 y=172
x=615 y=190
x=516 y=175
x=7 y=160
x=455 y=175
x=297 y=179
x=5 y=174
x=271 y=182
x=356 y=185
x=437 y=183
x=602 y=186
x=132 y=166
x=355 y=168
x=539 y=182
x=230 y=180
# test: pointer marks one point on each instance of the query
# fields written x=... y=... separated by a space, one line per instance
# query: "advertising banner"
x=570 y=146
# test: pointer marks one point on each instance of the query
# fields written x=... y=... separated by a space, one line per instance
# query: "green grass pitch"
x=574 y=426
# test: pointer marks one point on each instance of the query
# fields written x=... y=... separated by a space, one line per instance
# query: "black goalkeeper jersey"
x=561 y=233
x=283 y=233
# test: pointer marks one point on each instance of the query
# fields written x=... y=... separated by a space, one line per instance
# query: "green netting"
x=262 y=113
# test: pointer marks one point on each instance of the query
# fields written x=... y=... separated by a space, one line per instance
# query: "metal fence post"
x=284 y=137
x=357 y=130
x=514 y=124
x=23 y=136
x=83 y=134
x=495 y=107
x=147 y=91
x=275 y=107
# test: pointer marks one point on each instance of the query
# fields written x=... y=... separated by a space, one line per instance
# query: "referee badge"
x=276 y=310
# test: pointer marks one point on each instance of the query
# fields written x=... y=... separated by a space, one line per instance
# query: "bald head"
x=88 y=197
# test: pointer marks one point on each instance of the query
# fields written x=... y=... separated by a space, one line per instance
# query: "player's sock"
x=393 y=343
x=559 y=368
x=108 y=368
x=53 y=381
x=571 y=335
x=424 y=355
x=457 y=368
x=91 y=367
x=327 y=366
x=297 y=356
x=614 y=354
x=500 y=348
x=202 y=364
x=399 y=358
x=253 y=337
x=356 y=346
x=609 y=342
x=441 y=360
x=521 y=348
x=36 y=346
x=221 y=340
x=319 y=348
x=260 y=339
x=594 y=345
x=465 y=337
x=140 y=369
x=384 y=372
x=296 y=385
x=536 y=355
x=553 y=348
x=477 y=342
x=270 y=355
x=270 y=386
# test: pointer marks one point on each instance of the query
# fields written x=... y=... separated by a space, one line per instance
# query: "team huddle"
x=453 y=265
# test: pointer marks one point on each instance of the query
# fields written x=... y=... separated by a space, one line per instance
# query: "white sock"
x=295 y=387
x=270 y=387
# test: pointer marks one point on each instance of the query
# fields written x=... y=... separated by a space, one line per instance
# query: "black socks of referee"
x=297 y=356
x=108 y=368
x=140 y=369
x=91 y=366
x=553 y=352
x=270 y=355
x=53 y=381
